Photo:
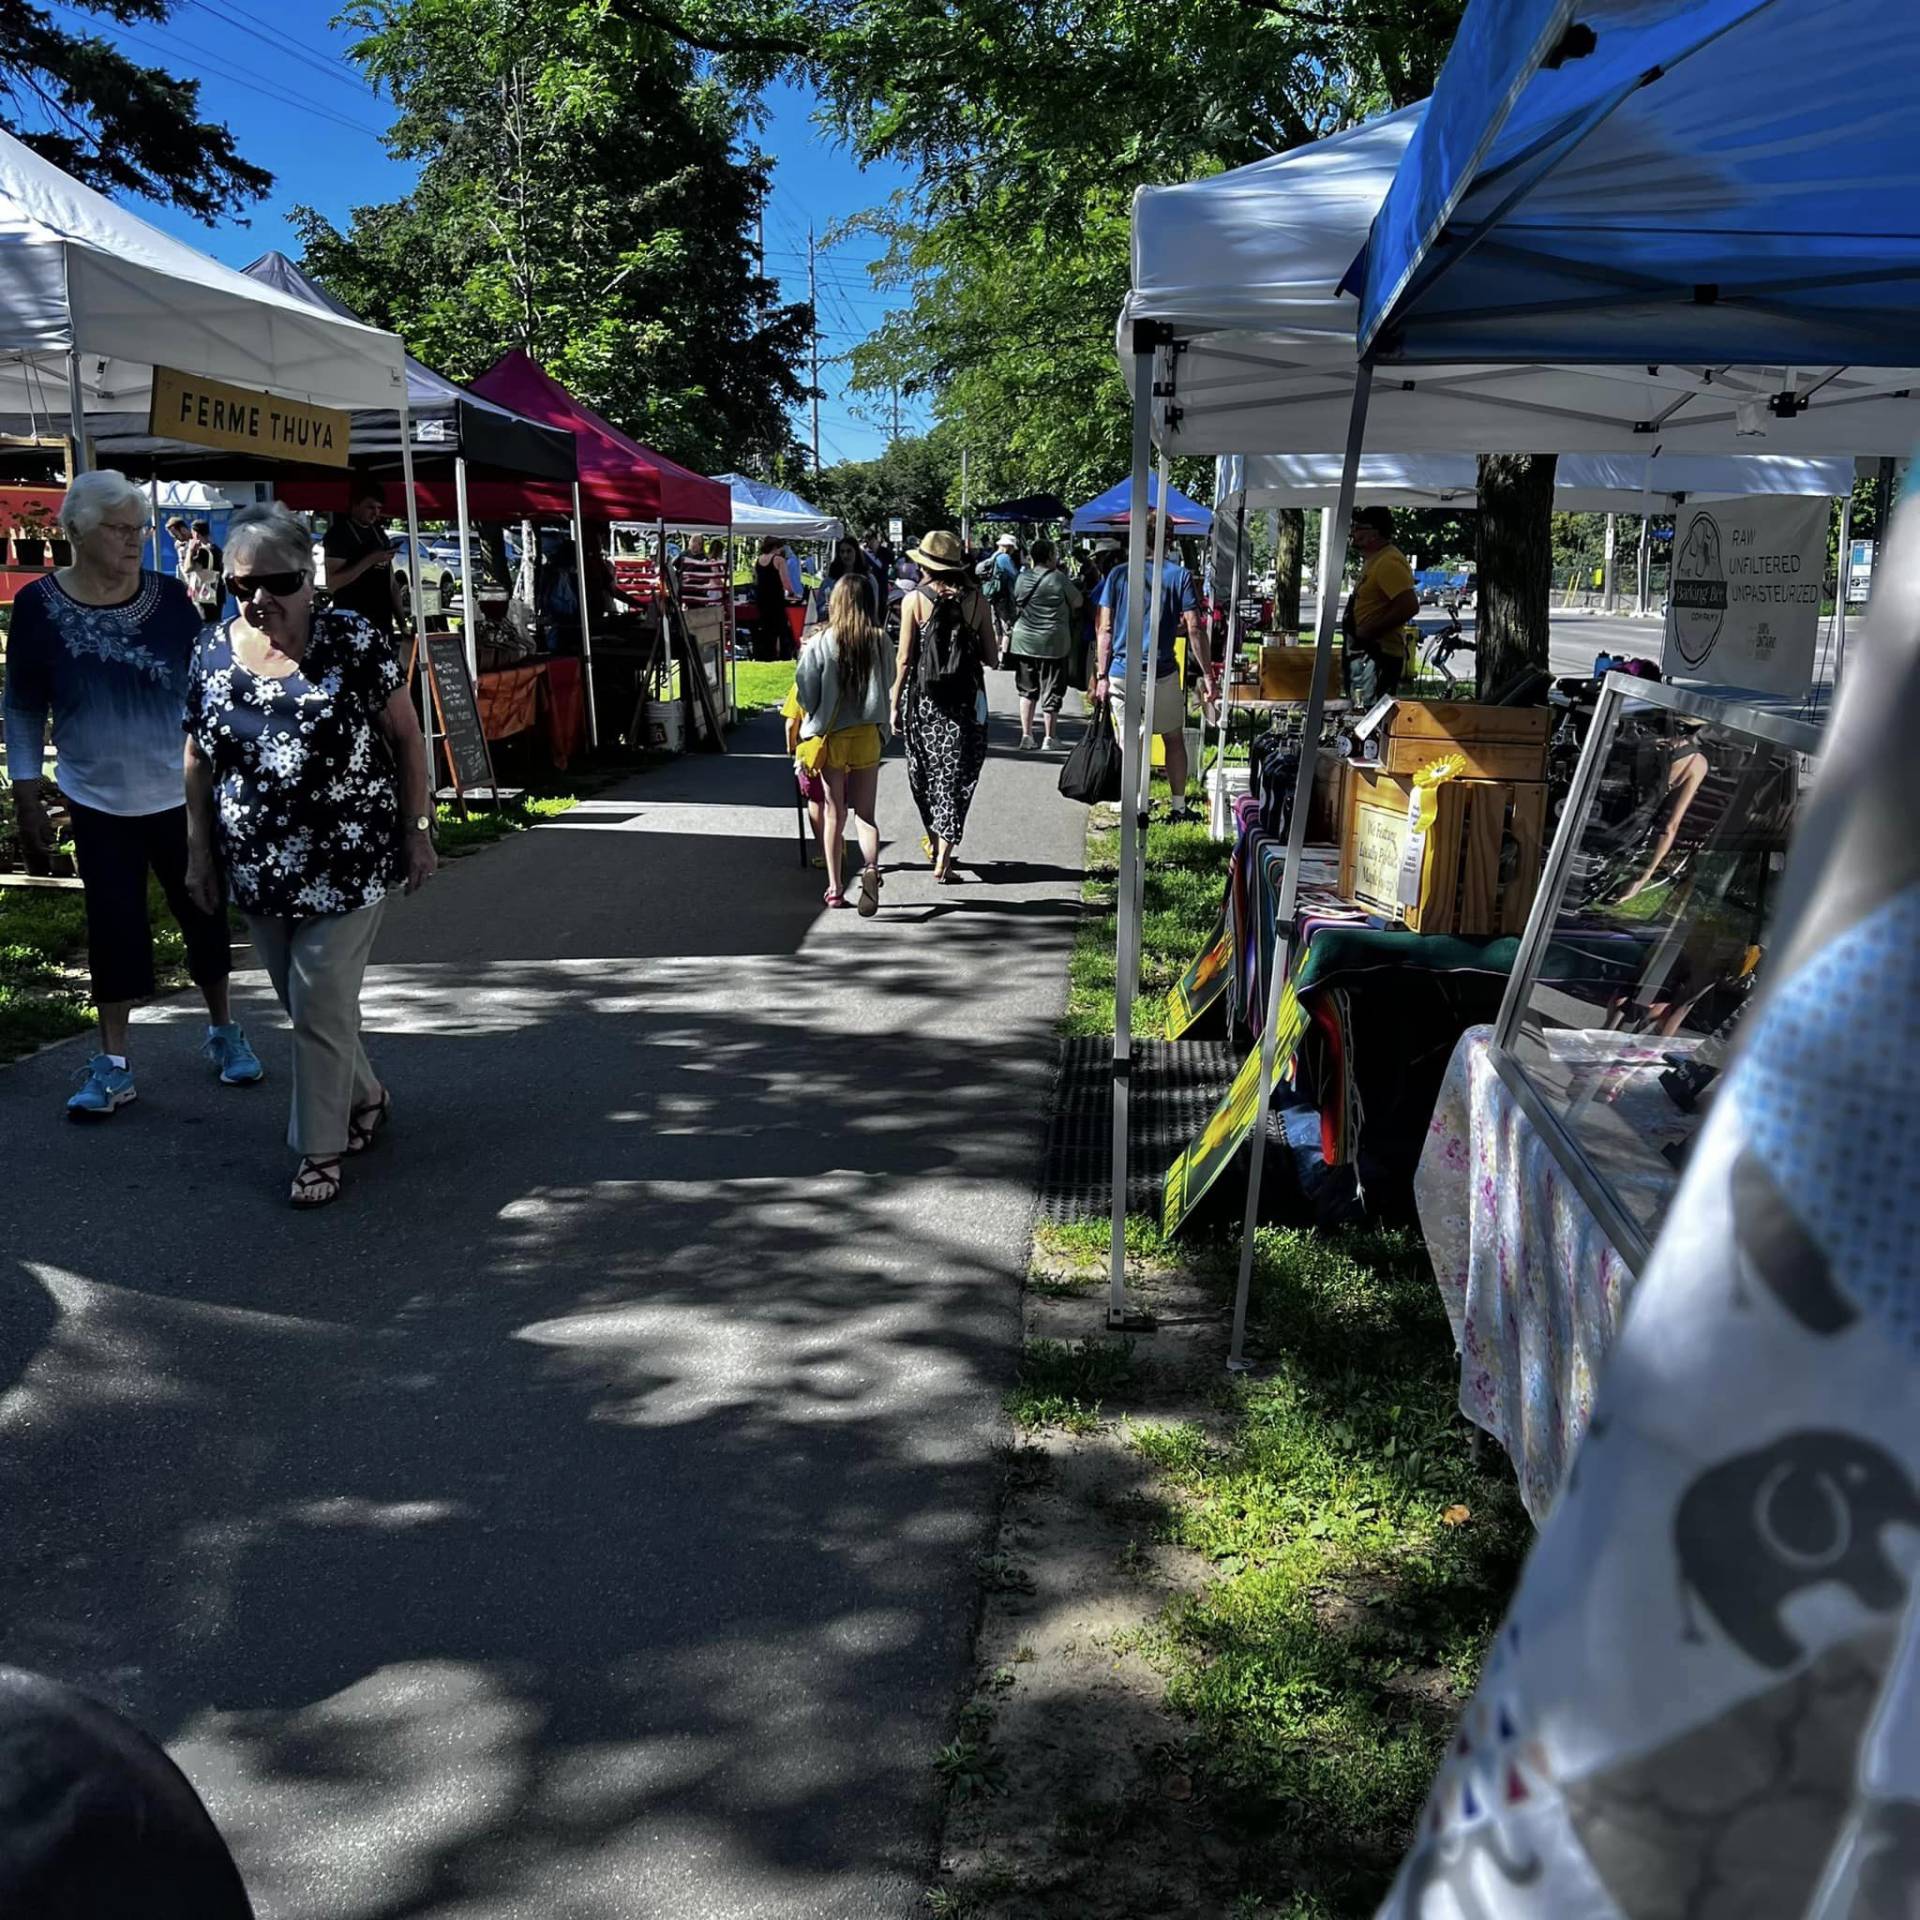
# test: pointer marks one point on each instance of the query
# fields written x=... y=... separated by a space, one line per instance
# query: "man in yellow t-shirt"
x=1384 y=601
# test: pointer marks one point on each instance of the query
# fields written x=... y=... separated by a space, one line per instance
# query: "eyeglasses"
x=277 y=584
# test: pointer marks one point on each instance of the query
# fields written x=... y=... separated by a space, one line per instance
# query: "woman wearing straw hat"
x=940 y=691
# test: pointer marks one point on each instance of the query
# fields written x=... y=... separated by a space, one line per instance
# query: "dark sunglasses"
x=277 y=584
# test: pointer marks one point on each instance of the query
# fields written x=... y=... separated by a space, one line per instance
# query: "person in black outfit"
x=360 y=560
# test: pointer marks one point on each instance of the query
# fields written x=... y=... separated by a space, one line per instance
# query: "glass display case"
x=1648 y=936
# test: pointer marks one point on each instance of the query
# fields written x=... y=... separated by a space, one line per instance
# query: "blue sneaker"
x=105 y=1089
x=234 y=1060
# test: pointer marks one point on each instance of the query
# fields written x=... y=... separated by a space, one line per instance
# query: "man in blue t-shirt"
x=1166 y=698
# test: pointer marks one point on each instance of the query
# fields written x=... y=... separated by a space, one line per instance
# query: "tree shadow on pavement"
x=579 y=1518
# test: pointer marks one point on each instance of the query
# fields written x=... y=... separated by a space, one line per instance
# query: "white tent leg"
x=1329 y=560
x=469 y=604
x=1606 y=571
x=153 y=507
x=1645 y=565
x=1218 y=815
x=77 y=412
x=586 y=619
x=1151 y=628
x=1132 y=824
x=1845 y=575
x=1333 y=530
x=416 y=594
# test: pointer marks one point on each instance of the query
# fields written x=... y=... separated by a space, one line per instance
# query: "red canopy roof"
x=619 y=478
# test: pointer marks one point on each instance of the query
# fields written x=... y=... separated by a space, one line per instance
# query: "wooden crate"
x=1498 y=743
x=1461 y=885
x=1286 y=673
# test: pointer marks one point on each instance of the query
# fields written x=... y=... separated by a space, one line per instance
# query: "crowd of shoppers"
x=1058 y=621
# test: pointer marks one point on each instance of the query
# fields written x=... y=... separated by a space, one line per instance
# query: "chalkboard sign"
x=462 y=737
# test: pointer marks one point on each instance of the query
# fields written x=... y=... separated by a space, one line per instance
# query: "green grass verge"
x=43 y=942
x=1186 y=881
x=1361 y=1559
x=1063 y=1383
x=762 y=684
x=485 y=825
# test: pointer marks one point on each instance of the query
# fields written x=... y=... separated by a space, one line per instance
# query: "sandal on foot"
x=834 y=897
x=366 y=1124
x=313 y=1185
x=870 y=885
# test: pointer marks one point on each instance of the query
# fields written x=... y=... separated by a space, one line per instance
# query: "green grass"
x=43 y=940
x=1064 y=1383
x=455 y=836
x=1361 y=1563
x=1186 y=882
x=762 y=684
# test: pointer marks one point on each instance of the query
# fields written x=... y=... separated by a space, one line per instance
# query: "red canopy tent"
x=619 y=478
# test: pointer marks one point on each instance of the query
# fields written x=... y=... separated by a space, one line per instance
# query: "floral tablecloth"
x=1533 y=1287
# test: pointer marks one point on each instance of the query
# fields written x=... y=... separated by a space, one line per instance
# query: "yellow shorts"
x=852 y=749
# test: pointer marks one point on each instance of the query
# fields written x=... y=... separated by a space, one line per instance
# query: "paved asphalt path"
x=578 y=1519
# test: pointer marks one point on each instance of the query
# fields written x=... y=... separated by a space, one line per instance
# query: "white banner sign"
x=1743 y=608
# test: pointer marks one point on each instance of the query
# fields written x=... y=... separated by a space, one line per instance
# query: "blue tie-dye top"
x=113 y=680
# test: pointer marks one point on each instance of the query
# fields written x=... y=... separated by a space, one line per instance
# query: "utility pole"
x=895 y=392
x=813 y=302
x=966 y=520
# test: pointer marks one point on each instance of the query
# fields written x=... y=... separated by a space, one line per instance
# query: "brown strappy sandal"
x=313 y=1186
x=362 y=1133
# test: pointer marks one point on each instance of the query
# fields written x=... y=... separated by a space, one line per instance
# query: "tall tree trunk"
x=1515 y=566
x=1291 y=527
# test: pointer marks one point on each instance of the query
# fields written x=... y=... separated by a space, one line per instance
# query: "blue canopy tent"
x=760 y=509
x=1030 y=509
x=1722 y=182
x=1112 y=511
x=1729 y=185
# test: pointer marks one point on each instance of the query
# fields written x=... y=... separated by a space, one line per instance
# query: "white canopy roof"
x=1583 y=482
x=76 y=271
x=765 y=512
x=1243 y=271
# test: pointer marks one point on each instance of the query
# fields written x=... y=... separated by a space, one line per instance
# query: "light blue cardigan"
x=816 y=680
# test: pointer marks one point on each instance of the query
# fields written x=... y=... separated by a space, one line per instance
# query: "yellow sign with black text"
x=1231 y=1122
x=209 y=413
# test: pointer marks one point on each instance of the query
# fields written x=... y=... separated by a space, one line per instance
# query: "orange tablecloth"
x=549 y=694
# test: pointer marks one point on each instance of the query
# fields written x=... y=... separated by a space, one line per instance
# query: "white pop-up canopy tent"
x=92 y=298
x=1583 y=483
x=1239 y=275
x=765 y=512
x=1238 y=335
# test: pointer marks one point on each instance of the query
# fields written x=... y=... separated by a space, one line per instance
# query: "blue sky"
x=298 y=107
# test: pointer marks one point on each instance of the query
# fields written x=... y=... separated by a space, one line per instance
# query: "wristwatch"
x=422 y=823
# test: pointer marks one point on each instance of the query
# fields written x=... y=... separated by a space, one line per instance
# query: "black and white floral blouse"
x=306 y=804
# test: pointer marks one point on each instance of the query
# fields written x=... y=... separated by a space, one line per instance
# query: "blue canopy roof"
x=761 y=508
x=1109 y=513
x=1722 y=182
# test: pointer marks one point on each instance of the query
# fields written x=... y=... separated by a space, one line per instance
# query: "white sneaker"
x=1027 y=743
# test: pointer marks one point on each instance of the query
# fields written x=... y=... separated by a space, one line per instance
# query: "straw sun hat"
x=941 y=551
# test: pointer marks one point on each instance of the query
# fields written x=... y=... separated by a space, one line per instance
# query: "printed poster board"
x=1231 y=1122
x=1743 y=609
x=1204 y=981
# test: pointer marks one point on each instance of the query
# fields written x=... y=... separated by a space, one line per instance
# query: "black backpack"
x=945 y=646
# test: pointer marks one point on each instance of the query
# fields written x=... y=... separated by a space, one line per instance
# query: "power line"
x=330 y=66
x=225 y=68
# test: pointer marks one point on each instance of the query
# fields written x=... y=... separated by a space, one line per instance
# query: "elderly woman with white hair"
x=101 y=649
x=307 y=796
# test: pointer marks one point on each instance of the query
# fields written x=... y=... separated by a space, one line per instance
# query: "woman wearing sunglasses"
x=307 y=795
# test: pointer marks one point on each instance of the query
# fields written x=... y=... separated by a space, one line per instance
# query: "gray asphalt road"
x=578 y=1519
x=1575 y=638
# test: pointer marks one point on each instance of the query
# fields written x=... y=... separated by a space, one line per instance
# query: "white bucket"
x=666 y=726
